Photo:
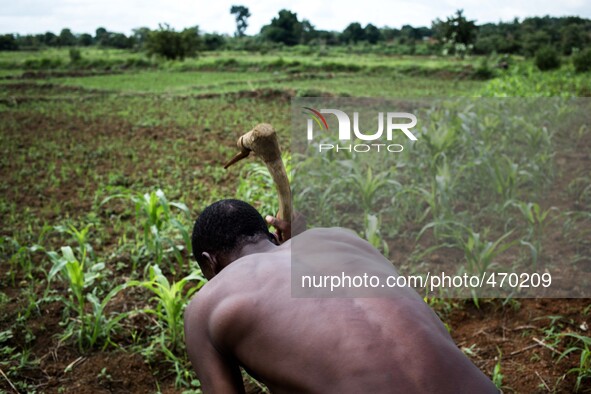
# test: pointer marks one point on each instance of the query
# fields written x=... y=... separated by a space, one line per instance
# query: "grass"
x=63 y=54
x=212 y=82
x=173 y=82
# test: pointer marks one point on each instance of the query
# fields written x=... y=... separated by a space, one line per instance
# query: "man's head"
x=222 y=229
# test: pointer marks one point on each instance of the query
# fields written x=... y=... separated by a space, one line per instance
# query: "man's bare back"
x=246 y=316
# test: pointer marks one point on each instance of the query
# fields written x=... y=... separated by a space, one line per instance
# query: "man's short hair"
x=226 y=225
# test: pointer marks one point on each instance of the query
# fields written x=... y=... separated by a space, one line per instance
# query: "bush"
x=137 y=63
x=212 y=42
x=42 y=64
x=75 y=55
x=547 y=59
x=339 y=67
x=8 y=42
x=226 y=63
x=582 y=61
x=483 y=71
x=173 y=45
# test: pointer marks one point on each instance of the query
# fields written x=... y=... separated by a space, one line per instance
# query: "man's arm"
x=218 y=373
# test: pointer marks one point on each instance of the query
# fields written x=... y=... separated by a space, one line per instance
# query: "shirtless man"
x=246 y=316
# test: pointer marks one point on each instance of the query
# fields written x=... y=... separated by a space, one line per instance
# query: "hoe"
x=262 y=140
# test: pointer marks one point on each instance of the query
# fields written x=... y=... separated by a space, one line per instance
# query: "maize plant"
x=505 y=176
x=480 y=253
x=171 y=301
x=373 y=234
x=81 y=238
x=367 y=185
x=153 y=211
x=537 y=220
x=88 y=327
x=20 y=257
x=583 y=370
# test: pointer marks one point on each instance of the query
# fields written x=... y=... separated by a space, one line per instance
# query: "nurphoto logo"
x=393 y=127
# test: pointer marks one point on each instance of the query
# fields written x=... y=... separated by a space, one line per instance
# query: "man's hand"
x=284 y=229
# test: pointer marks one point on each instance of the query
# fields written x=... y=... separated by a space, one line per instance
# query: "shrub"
x=8 y=42
x=75 y=55
x=483 y=71
x=582 y=61
x=226 y=63
x=168 y=43
x=137 y=63
x=547 y=59
x=44 y=63
x=214 y=41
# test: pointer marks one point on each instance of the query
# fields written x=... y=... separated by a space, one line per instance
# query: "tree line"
x=455 y=34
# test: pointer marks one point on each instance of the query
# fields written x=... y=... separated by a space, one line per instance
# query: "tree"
x=29 y=41
x=101 y=35
x=242 y=14
x=389 y=34
x=170 y=44
x=582 y=61
x=50 y=39
x=573 y=37
x=140 y=36
x=372 y=34
x=327 y=37
x=66 y=38
x=457 y=29
x=534 y=41
x=85 y=40
x=8 y=43
x=309 y=33
x=213 y=41
x=353 y=33
x=547 y=59
x=119 y=40
x=458 y=33
x=503 y=37
x=409 y=34
x=286 y=28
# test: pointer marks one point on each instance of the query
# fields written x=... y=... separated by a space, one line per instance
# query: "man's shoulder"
x=329 y=231
x=225 y=310
x=331 y=239
x=245 y=279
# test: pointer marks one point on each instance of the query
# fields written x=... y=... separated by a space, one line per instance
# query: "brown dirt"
x=493 y=331
x=112 y=372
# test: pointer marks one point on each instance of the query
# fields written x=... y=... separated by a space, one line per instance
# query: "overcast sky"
x=37 y=16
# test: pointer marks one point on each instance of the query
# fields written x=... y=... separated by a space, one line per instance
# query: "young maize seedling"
x=440 y=137
x=81 y=238
x=505 y=176
x=537 y=220
x=373 y=235
x=171 y=301
x=89 y=327
x=153 y=211
x=367 y=185
x=497 y=376
x=479 y=253
x=583 y=370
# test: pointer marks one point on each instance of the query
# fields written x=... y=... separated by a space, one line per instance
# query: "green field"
x=93 y=158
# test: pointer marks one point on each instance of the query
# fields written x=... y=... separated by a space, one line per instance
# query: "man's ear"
x=209 y=267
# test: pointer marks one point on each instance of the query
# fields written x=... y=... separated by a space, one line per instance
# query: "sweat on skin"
x=246 y=316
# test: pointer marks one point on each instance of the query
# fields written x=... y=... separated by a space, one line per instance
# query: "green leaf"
x=68 y=254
